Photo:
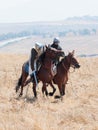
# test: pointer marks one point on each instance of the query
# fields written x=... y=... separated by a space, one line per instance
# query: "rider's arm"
x=59 y=48
x=56 y=47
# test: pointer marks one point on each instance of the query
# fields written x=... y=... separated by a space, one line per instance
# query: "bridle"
x=64 y=65
x=71 y=66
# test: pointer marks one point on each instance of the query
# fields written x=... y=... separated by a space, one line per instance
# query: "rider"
x=56 y=45
x=34 y=60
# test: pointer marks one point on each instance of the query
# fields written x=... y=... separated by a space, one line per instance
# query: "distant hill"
x=86 y=25
x=84 y=18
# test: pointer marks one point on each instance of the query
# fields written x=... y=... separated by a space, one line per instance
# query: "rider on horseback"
x=56 y=45
x=37 y=56
x=34 y=60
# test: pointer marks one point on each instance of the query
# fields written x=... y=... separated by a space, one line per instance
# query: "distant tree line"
x=14 y=35
x=44 y=32
x=82 y=32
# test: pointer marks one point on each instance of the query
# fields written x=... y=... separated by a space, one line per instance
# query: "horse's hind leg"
x=24 y=77
x=54 y=89
x=18 y=84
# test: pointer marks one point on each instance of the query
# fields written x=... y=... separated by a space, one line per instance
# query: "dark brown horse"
x=61 y=77
x=44 y=74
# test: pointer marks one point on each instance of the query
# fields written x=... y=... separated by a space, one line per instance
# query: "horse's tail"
x=18 y=84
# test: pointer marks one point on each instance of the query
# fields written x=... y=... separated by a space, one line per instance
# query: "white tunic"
x=40 y=49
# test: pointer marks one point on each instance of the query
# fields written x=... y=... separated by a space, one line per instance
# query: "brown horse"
x=44 y=74
x=61 y=77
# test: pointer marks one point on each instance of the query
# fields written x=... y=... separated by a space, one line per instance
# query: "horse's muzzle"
x=77 y=66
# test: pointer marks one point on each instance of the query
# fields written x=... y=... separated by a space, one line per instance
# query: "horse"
x=61 y=78
x=44 y=74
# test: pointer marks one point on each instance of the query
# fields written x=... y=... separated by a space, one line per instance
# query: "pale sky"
x=45 y=10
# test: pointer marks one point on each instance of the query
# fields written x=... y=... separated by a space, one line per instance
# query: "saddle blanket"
x=26 y=68
x=53 y=69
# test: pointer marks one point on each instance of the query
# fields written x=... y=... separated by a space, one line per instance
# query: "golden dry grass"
x=77 y=111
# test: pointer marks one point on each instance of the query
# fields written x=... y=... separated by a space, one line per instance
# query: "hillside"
x=77 y=111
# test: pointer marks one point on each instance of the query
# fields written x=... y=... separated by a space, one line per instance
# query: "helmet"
x=56 y=40
x=39 y=47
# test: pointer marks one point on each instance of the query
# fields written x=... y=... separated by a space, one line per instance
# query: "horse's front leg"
x=63 y=89
x=44 y=89
x=64 y=85
x=34 y=90
x=54 y=89
x=61 y=92
x=21 y=92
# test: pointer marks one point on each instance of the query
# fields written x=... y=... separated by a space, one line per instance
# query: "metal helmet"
x=56 y=40
x=39 y=47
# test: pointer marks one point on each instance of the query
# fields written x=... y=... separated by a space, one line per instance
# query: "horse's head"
x=53 y=53
x=73 y=61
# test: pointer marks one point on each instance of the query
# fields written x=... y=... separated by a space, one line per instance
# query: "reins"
x=64 y=66
x=67 y=69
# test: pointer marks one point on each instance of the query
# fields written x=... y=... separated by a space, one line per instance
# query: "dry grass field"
x=77 y=111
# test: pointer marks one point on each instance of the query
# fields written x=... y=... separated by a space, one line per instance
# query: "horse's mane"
x=62 y=60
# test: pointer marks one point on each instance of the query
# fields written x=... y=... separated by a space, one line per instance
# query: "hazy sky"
x=45 y=10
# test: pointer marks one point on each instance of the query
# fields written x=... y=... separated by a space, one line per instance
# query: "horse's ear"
x=73 y=52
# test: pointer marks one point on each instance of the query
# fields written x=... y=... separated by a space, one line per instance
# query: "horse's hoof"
x=16 y=89
x=50 y=94
x=35 y=98
x=47 y=95
x=20 y=95
x=63 y=94
x=57 y=96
